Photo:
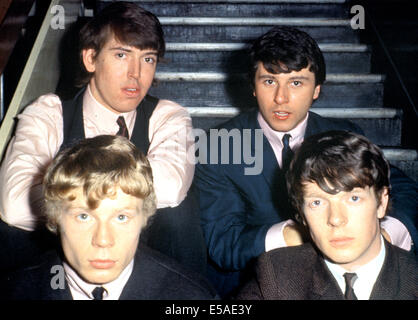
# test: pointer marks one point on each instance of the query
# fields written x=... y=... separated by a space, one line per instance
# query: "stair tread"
x=215 y=46
x=221 y=76
x=359 y=113
x=247 y=1
x=312 y=22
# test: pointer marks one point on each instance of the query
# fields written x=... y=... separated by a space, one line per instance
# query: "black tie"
x=350 y=278
x=287 y=153
x=123 y=130
x=97 y=293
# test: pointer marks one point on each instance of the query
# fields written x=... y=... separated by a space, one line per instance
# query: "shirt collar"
x=81 y=290
x=275 y=137
x=367 y=274
x=97 y=115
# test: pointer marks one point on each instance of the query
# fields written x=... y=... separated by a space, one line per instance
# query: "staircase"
x=205 y=68
x=205 y=63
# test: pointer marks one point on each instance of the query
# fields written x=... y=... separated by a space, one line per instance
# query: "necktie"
x=97 y=293
x=287 y=153
x=123 y=130
x=350 y=278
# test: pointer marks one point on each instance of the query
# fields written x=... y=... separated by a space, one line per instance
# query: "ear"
x=384 y=200
x=317 y=91
x=89 y=59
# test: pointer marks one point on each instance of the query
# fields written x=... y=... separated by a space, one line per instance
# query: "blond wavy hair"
x=97 y=165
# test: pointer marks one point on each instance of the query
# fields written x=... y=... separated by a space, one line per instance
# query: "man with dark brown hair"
x=339 y=184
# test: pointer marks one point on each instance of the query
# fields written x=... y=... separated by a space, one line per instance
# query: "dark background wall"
x=396 y=24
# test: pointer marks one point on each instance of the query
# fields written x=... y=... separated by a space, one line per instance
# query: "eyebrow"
x=153 y=52
x=268 y=76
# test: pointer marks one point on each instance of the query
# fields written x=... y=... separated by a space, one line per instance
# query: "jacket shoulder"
x=34 y=282
x=168 y=279
x=317 y=124
x=286 y=273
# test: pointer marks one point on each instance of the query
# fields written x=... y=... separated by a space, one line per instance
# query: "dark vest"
x=72 y=113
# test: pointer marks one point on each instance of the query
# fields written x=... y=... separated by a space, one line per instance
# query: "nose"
x=337 y=216
x=103 y=236
x=134 y=69
x=282 y=95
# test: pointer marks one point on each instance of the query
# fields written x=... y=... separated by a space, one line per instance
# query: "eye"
x=315 y=203
x=120 y=55
x=150 y=60
x=297 y=83
x=355 y=198
x=83 y=217
x=269 y=82
x=122 y=218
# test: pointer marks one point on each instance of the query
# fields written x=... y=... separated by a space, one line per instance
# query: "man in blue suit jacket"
x=244 y=213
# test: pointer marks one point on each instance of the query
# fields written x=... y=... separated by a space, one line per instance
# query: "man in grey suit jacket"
x=99 y=195
x=338 y=183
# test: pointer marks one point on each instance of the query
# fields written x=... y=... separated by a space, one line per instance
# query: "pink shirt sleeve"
x=170 y=152
x=37 y=139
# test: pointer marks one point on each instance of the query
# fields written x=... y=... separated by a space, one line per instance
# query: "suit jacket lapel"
x=270 y=165
x=387 y=283
x=313 y=127
x=324 y=285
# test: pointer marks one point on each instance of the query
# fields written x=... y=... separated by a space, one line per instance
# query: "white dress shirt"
x=397 y=231
x=82 y=290
x=39 y=135
x=366 y=274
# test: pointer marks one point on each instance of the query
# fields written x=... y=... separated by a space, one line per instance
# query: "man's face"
x=284 y=98
x=344 y=226
x=122 y=74
x=100 y=243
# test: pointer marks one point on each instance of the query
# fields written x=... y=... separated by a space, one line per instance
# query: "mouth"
x=281 y=115
x=131 y=91
x=341 y=242
x=102 y=264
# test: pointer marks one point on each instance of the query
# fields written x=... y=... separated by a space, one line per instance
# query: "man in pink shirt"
x=119 y=50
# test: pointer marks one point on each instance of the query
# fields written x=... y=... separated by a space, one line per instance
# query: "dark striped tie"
x=287 y=152
x=123 y=130
x=97 y=293
x=350 y=278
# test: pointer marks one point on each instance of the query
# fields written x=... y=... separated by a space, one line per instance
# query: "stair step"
x=352 y=113
x=240 y=94
x=244 y=29
x=221 y=89
x=255 y=21
x=382 y=126
x=211 y=46
x=220 y=76
x=233 y=57
x=400 y=154
x=240 y=1
x=243 y=8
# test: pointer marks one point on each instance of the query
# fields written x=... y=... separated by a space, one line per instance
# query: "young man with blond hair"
x=99 y=196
